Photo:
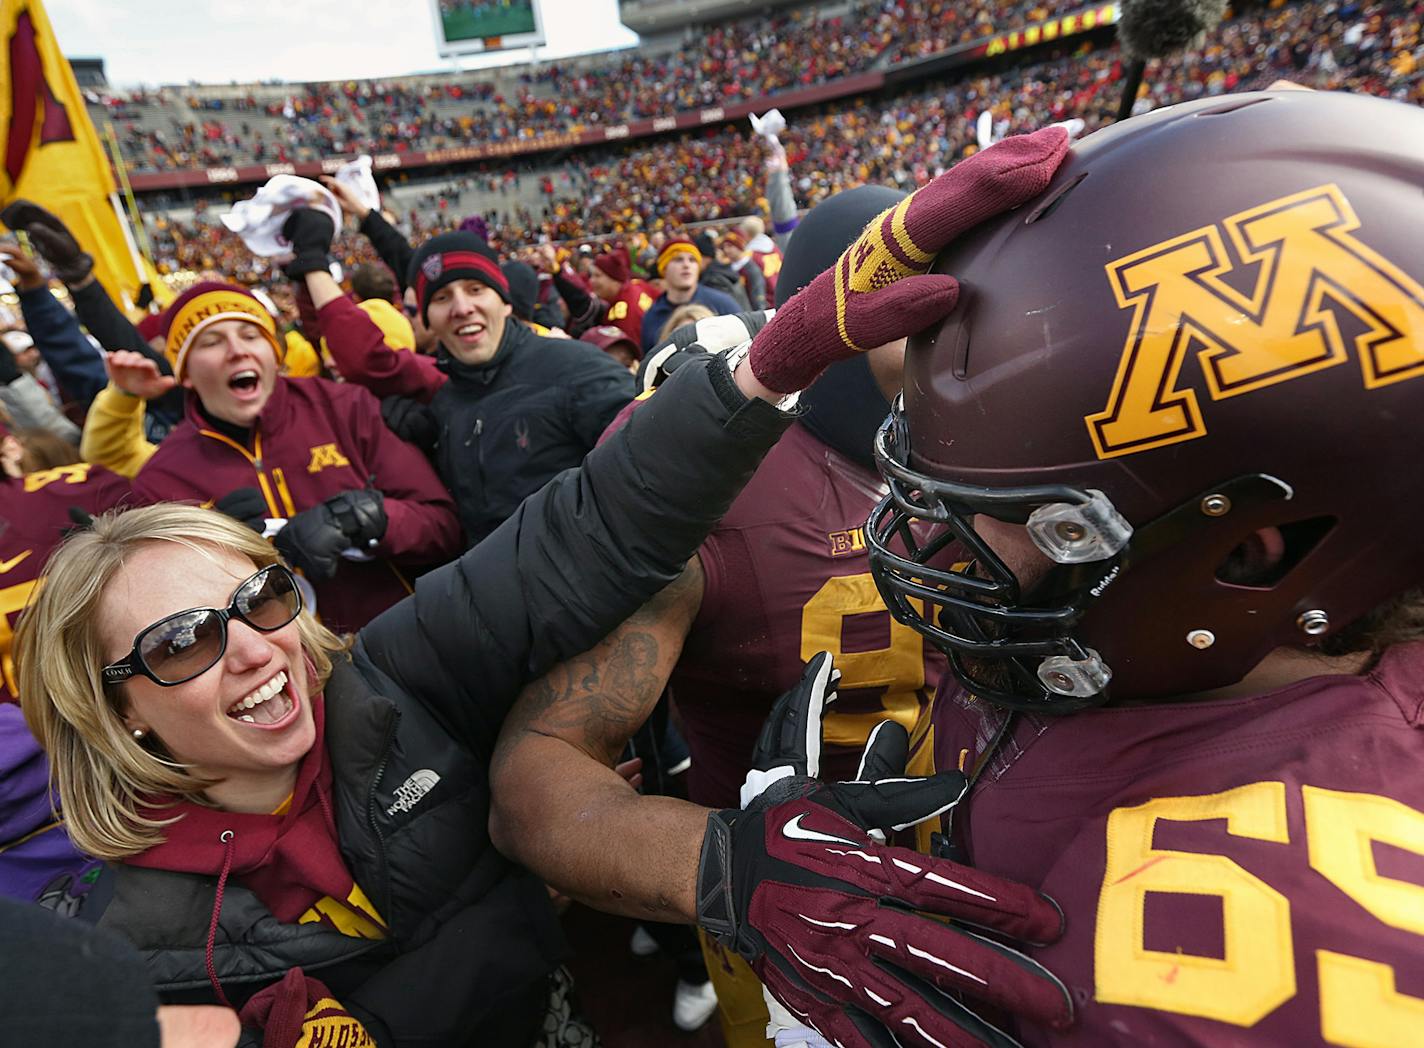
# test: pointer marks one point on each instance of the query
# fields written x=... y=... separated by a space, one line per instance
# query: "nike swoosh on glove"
x=880 y=289
x=825 y=914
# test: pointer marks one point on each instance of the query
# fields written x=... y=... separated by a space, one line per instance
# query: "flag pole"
x=138 y=257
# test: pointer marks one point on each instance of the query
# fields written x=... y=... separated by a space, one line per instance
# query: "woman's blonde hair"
x=688 y=313
x=104 y=775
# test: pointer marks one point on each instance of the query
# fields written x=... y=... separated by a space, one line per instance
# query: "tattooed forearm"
x=597 y=700
x=559 y=808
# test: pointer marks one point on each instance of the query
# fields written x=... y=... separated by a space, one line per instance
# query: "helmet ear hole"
x=1265 y=557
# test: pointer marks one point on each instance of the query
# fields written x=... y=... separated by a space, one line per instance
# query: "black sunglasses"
x=180 y=647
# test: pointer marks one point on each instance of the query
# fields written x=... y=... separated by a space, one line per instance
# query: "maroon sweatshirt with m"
x=313 y=440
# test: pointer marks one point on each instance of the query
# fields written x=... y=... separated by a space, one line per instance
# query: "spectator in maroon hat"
x=614 y=341
x=607 y=295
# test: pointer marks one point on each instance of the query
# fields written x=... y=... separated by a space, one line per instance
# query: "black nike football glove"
x=245 y=505
x=825 y=914
x=51 y=239
x=315 y=538
x=310 y=232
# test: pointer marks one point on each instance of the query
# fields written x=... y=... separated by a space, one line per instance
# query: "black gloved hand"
x=246 y=506
x=9 y=366
x=52 y=240
x=310 y=233
x=790 y=736
x=826 y=916
x=81 y=520
x=412 y=421
x=315 y=538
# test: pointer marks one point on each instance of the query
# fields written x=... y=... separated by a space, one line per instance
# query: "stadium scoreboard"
x=465 y=27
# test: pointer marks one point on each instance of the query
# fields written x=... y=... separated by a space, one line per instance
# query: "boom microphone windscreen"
x=1155 y=28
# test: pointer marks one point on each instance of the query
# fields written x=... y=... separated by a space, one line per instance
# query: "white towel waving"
x=259 y=221
x=356 y=176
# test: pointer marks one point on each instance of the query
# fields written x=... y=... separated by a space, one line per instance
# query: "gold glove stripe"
x=842 y=284
x=881 y=255
x=884 y=252
x=912 y=254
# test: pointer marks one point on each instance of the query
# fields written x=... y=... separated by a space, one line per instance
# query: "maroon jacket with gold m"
x=313 y=440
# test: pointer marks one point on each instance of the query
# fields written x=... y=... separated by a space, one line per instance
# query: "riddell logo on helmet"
x=1106 y=581
x=1310 y=267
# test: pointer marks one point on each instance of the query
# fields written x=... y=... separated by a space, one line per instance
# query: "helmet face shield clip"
x=974 y=611
x=1076 y=534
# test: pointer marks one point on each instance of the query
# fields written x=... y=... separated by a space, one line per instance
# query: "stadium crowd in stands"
x=718 y=64
x=432 y=422
x=900 y=141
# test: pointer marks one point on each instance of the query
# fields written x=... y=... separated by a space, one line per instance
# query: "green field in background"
x=501 y=21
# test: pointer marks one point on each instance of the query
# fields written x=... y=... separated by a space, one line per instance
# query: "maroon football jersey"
x=1233 y=872
x=34 y=516
x=787 y=576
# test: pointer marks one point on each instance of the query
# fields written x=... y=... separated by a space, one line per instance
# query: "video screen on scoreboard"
x=466 y=26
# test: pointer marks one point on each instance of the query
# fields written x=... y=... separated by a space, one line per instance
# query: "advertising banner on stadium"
x=465 y=27
x=52 y=152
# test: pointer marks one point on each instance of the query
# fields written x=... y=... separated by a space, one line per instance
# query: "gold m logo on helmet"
x=1309 y=268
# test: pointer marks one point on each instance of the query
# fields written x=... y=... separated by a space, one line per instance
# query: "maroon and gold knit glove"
x=878 y=290
x=299 y=1012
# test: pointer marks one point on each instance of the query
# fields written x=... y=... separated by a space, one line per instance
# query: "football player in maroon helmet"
x=1176 y=418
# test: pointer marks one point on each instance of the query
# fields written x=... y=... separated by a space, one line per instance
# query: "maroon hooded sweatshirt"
x=314 y=440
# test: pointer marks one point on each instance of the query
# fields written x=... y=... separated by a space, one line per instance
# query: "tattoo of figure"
x=597 y=701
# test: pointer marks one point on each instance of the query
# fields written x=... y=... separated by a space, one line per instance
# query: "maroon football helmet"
x=1201 y=349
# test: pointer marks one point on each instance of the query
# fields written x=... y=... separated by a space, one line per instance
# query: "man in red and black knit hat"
x=510 y=409
x=354 y=503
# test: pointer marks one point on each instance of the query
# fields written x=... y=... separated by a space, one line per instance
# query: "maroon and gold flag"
x=52 y=153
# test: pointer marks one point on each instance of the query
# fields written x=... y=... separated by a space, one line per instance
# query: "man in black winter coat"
x=507 y=409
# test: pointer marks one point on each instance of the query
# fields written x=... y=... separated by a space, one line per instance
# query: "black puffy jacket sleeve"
x=107 y=323
x=390 y=243
x=579 y=556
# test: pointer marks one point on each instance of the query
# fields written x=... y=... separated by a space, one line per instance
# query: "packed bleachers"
x=902 y=140
x=174 y=128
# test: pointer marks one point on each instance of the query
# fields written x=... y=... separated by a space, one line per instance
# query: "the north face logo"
x=410 y=792
x=432 y=267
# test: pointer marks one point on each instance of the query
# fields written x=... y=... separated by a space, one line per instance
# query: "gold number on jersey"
x=1359 y=1005
x=43 y=478
x=1255 y=975
x=899 y=667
